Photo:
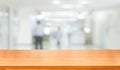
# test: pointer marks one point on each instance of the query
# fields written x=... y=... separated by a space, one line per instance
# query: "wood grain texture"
x=60 y=58
x=64 y=68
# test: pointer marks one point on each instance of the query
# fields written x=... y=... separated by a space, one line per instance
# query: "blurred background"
x=59 y=24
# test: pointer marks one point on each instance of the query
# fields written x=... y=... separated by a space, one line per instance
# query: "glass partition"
x=4 y=28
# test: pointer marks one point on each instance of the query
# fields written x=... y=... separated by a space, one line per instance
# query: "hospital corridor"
x=59 y=24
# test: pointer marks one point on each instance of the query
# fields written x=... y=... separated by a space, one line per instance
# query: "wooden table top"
x=60 y=58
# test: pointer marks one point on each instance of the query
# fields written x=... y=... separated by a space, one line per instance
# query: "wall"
x=24 y=36
x=113 y=39
x=107 y=27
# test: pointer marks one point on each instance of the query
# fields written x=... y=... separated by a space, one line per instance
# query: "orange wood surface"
x=62 y=68
x=59 y=58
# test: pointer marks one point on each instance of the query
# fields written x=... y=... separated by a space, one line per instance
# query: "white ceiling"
x=47 y=4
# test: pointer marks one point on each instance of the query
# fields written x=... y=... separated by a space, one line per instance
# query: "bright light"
x=40 y=17
x=47 y=30
x=49 y=24
x=79 y=6
x=56 y=2
x=3 y=14
x=67 y=6
x=83 y=15
x=16 y=19
x=84 y=2
x=87 y=29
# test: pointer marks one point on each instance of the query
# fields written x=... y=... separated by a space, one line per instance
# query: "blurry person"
x=69 y=38
x=39 y=33
x=58 y=37
x=33 y=33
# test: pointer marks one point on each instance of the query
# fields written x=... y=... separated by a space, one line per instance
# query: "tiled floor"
x=51 y=45
x=80 y=47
